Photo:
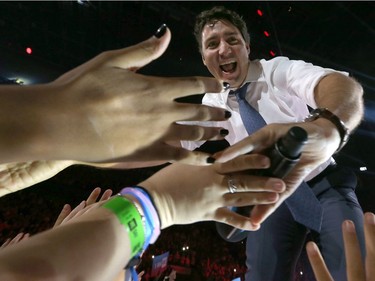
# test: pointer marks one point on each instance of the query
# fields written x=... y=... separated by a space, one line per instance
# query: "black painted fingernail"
x=211 y=160
x=226 y=86
x=228 y=114
x=161 y=31
x=224 y=132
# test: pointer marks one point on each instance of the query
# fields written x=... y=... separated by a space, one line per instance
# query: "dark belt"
x=330 y=168
x=335 y=176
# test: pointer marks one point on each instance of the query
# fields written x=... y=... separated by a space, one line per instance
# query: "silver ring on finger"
x=231 y=186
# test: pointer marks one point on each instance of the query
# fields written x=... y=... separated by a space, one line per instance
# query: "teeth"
x=230 y=67
x=227 y=63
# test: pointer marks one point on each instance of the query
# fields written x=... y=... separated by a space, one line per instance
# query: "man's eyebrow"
x=232 y=33
x=214 y=36
x=211 y=37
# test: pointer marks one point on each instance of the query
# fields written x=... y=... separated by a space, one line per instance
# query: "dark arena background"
x=41 y=40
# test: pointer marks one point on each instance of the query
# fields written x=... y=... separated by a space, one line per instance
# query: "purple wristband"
x=152 y=219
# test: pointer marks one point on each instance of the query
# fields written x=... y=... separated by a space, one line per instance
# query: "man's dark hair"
x=219 y=13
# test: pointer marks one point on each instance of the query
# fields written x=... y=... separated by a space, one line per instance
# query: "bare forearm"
x=343 y=96
x=94 y=247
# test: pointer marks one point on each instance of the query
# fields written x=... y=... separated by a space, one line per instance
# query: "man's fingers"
x=258 y=141
x=317 y=263
x=141 y=54
x=243 y=147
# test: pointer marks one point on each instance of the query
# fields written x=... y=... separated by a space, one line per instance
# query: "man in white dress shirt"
x=282 y=91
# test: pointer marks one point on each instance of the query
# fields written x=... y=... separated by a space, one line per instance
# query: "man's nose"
x=224 y=48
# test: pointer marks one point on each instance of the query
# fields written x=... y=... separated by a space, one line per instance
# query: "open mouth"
x=228 y=67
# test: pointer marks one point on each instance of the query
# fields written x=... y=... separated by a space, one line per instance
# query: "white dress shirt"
x=279 y=89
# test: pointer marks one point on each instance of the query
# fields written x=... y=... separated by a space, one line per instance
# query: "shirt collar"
x=254 y=72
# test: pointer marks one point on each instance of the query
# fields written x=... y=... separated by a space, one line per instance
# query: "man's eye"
x=211 y=45
x=233 y=41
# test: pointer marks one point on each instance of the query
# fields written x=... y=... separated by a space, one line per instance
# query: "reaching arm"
x=94 y=245
x=342 y=96
x=78 y=116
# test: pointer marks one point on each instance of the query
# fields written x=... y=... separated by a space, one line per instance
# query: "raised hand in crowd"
x=356 y=268
x=68 y=213
x=18 y=238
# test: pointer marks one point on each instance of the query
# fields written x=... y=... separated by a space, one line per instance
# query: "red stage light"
x=266 y=33
x=259 y=12
x=29 y=50
x=272 y=53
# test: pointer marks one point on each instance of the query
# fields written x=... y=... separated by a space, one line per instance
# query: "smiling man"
x=280 y=92
x=231 y=63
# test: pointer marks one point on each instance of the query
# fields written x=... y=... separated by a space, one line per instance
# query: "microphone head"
x=292 y=143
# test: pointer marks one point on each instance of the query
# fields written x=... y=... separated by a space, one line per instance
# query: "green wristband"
x=129 y=216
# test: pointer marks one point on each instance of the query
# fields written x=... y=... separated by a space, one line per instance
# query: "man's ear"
x=248 y=49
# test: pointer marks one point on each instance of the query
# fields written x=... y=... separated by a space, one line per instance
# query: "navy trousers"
x=272 y=251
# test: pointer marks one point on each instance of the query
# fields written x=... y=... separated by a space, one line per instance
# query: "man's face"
x=225 y=53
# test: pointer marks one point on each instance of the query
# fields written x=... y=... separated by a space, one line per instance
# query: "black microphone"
x=284 y=155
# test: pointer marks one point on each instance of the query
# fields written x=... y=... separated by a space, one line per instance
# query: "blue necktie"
x=251 y=118
x=303 y=204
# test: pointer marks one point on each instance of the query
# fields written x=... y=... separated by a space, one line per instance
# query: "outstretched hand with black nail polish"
x=128 y=116
x=104 y=111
